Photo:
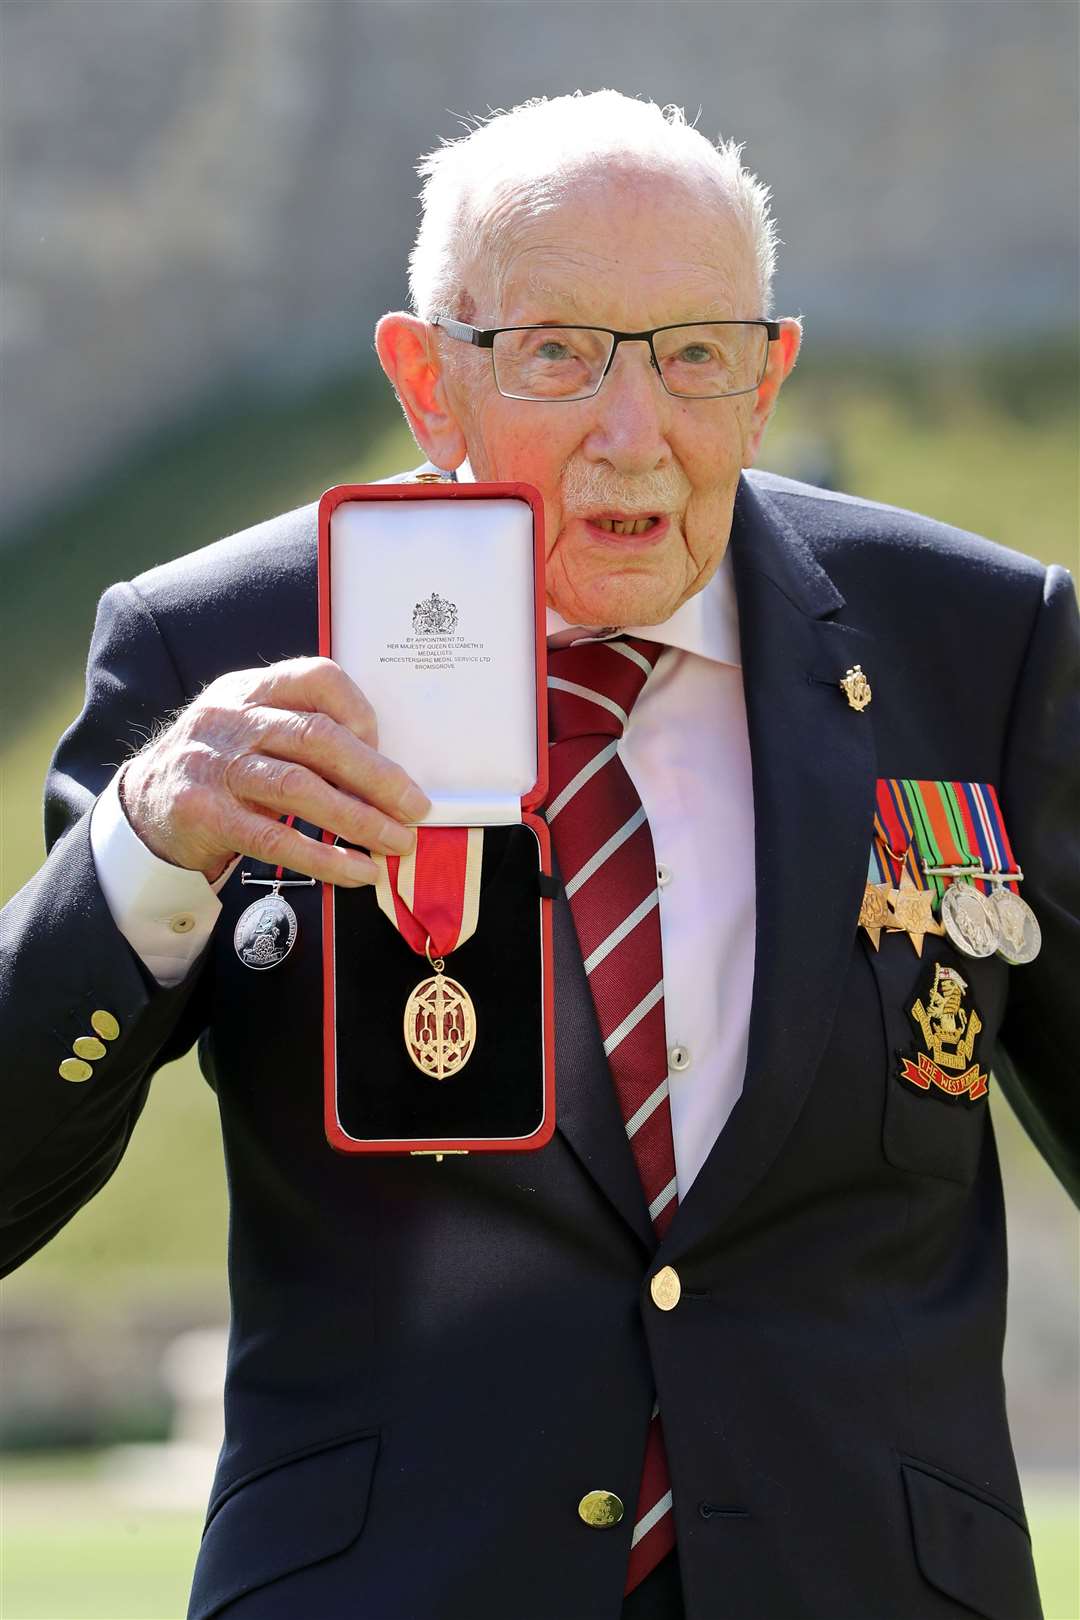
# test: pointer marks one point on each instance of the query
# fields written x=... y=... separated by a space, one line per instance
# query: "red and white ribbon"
x=433 y=893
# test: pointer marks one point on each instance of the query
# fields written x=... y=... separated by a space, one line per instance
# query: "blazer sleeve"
x=62 y=959
x=1038 y=1057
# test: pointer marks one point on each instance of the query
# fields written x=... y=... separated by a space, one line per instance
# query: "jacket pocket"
x=293 y=1513
x=970 y=1545
x=935 y=1111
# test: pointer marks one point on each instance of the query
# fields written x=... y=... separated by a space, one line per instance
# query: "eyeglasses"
x=701 y=360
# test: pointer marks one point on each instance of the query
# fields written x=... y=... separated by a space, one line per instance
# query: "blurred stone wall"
x=201 y=195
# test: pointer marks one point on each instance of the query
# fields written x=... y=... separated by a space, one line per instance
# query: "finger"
x=318 y=684
x=275 y=844
x=288 y=788
x=339 y=757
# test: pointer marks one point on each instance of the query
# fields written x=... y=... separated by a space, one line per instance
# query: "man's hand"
x=295 y=738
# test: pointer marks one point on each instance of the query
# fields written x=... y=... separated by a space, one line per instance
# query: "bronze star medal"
x=912 y=912
x=874 y=913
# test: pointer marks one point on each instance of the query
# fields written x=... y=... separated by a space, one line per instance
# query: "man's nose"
x=631 y=413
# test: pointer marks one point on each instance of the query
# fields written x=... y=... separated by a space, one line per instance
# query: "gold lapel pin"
x=856 y=688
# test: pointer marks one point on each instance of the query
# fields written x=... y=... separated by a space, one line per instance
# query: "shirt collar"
x=707 y=623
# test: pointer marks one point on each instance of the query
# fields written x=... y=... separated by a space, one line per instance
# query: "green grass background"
x=983 y=445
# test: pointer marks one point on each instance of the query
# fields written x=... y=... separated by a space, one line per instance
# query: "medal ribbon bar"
x=957 y=826
x=950 y=838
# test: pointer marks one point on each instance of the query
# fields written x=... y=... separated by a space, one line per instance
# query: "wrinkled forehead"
x=615 y=243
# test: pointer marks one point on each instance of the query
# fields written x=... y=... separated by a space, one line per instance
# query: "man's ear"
x=782 y=356
x=407 y=353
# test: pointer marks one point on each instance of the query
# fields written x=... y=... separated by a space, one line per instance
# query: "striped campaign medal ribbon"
x=605 y=853
x=894 y=834
x=941 y=835
x=978 y=807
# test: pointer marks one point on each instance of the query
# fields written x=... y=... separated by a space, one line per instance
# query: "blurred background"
x=206 y=206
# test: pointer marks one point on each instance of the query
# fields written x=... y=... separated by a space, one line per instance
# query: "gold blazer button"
x=89 y=1047
x=105 y=1025
x=600 y=1509
x=75 y=1069
x=666 y=1289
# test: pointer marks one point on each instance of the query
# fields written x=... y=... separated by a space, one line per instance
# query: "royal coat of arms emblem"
x=434 y=617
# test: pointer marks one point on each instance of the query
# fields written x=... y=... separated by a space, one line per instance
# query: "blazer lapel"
x=813 y=764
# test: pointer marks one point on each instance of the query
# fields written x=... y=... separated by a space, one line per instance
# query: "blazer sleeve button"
x=104 y=1024
x=75 y=1069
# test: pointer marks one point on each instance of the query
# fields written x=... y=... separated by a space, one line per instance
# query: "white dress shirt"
x=687 y=752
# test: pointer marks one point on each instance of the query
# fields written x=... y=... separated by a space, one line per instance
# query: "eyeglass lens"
x=567 y=362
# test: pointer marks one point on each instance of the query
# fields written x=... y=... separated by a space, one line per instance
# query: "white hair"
x=528 y=156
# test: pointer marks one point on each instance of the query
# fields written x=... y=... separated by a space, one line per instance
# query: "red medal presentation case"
x=431 y=597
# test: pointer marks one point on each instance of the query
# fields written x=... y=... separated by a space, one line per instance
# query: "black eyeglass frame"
x=484 y=338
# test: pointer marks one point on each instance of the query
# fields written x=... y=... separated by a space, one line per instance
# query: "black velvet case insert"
x=381 y=1094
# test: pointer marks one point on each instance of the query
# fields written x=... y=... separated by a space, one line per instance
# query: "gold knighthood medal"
x=432 y=898
x=440 y=1024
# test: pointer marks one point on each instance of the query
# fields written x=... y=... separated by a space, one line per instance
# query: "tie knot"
x=593 y=687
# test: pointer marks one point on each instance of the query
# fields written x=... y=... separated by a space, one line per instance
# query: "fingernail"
x=401 y=839
x=415 y=803
x=362 y=872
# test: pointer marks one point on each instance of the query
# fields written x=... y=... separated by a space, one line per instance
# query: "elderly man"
x=729 y=1348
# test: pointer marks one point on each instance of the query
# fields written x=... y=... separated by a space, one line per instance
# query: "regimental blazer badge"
x=949 y=1031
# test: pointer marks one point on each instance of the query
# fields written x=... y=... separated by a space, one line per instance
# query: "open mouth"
x=613 y=523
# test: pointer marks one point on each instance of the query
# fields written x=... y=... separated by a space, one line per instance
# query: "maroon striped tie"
x=605 y=854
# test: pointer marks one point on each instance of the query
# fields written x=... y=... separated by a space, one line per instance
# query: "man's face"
x=630 y=251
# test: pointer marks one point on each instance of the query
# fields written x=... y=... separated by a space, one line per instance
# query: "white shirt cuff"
x=165 y=912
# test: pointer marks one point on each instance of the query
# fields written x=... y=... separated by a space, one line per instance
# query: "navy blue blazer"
x=430 y=1364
